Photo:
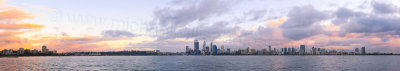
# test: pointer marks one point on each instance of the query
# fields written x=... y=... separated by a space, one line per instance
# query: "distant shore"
x=210 y=55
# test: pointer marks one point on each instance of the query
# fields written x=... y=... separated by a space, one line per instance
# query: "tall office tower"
x=196 y=47
x=222 y=49
x=289 y=51
x=215 y=49
x=282 y=51
x=302 y=49
x=314 y=50
x=274 y=52
x=228 y=50
x=187 y=50
x=204 y=45
x=356 y=50
x=44 y=49
x=207 y=49
x=293 y=51
x=363 y=50
x=319 y=50
x=285 y=51
x=269 y=48
x=247 y=50
x=211 y=47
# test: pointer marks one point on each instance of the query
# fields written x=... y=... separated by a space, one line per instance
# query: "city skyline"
x=302 y=50
x=172 y=25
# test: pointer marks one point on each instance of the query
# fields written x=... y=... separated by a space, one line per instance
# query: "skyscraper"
x=356 y=50
x=293 y=51
x=196 y=47
x=187 y=50
x=204 y=46
x=215 y=49
x=207 y=49
x=285 y=51
x=269 y=48
x=363 y=50
x=222 y=49
x=302 y=49
x=211 y=46
x=228 y=50
x=314 y=50
x=44 y=49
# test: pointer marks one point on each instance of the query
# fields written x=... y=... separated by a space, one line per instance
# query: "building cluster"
x=116 y=53
x=28 y=52
x=213 y=49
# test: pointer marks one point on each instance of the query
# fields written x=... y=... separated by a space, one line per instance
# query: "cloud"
x=256 y=14
x=202 y=32
x=303 y=22
x=9 y=33
x=10 y=14
x=377 y=23
x=188 y=13
x=384 y=8
x=11 y=26
x=117 y=33
x=19 y=26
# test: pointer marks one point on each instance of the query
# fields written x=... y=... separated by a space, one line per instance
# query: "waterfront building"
x=21 y=51
x=204 y=46
x=44 y=49
x=269 y=48
x=363 y=50
x=356 y=50
x=293 y=51
x=215 y=49
x=196 y=47
x=302 y=49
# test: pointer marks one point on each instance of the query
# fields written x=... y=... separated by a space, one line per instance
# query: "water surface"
x=203 y=63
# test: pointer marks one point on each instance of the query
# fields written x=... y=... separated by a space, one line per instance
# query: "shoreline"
x=198 y=55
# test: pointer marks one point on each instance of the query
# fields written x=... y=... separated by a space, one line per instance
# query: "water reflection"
x=201 y=63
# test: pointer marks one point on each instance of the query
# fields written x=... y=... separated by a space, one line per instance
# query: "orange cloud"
x=13 y=14
x=10 y=23
x=275 y=23
x=20 y=26
x=9 y=33
x=14 y=43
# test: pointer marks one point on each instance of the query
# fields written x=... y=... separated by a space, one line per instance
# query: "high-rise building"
x=211 y=46
x=187 y=50
x=204 y=46
x=314 y=50
x=44 y=49
x=284 y=50
x=289 y=51
x=207 y=49
x=269 y=48
x=356 y=50
x=222 y=49
x=302 y=49
x=363 y=50
x=293 y=51
x=215 y=49
x=247 y=50
x=196 y=47
x=228 y=50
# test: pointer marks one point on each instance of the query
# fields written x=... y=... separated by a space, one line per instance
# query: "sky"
x=170 y=25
